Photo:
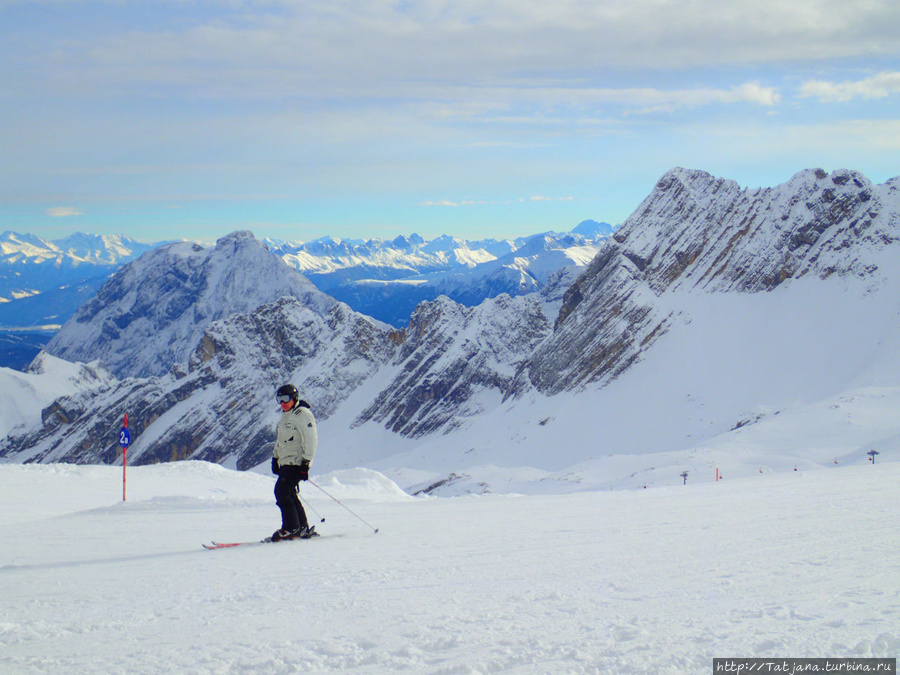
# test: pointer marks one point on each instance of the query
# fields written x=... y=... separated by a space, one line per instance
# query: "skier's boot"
x=278 y=535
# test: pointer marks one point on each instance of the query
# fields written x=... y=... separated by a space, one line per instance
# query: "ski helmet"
x=289 y=391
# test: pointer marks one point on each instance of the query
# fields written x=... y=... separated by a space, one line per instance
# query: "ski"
x=214 y=546
x=218 y=544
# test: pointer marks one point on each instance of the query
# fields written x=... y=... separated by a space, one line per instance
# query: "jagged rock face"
x=153 y=312
x=698 y=232
x=607 y=318
x=326 y=358
x=450 y=355
x=222 y=406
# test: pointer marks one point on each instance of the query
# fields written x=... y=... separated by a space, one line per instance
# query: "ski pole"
x=345 y=506
x=309 y=506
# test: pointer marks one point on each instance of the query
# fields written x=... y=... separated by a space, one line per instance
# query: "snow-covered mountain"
x=224 y=392
x=746 y=342
x=78 y=248
x=153 y=312
x=716 y=319
x=715 y=330
x=451 y=358
x=25 y=396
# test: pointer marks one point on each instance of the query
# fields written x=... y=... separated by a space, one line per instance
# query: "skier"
x=295 y=447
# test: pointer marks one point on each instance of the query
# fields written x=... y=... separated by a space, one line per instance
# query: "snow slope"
x=24 y=395
x=645 y=581
x=806 y=374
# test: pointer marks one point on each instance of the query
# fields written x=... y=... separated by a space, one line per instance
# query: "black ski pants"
x=293 y=516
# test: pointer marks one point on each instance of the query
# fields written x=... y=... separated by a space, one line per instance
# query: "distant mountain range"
x=43 y=283
x=387 y=279
x=30 y=266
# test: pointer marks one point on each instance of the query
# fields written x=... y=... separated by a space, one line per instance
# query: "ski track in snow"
x=800 y=564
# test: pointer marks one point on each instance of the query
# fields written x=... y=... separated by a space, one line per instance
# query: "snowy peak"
x=708 y=313
x=42 y=282
x=407 y=244
x=235 y=241
x=101 y=249
x=224 y=390
x=591 y=229
x=24 y=246
x=33 y=394
x=150 y=315
x=403 y=256
x=30 y=266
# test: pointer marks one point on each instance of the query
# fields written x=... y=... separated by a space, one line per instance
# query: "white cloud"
x=661 y=100
x=442 y=202
x=877 y=86
x=64 y=211
x=753 y=92
x=552 y=105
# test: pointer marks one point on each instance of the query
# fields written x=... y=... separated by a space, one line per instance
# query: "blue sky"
x=361 y=118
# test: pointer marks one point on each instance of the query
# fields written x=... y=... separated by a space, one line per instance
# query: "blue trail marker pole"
x=124 y=440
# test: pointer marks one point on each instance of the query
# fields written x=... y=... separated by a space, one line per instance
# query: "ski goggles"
x=284 y=398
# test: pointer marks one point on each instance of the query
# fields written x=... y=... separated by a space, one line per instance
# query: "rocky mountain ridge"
x=222 y=396
x=695 y=232
x=450 y=356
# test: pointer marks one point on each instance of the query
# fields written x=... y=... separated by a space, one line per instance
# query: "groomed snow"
x=658 y=580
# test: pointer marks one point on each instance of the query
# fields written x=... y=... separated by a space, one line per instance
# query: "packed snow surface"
x=660 y=580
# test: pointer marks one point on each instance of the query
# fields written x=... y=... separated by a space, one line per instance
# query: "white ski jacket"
x=296 y=437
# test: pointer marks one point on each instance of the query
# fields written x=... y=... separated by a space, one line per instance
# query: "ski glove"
x=275 y=468
x=304 y=470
